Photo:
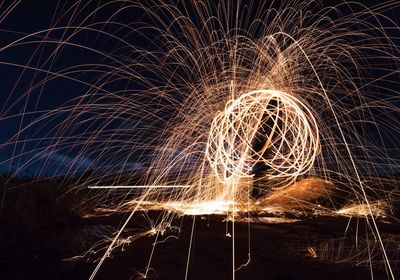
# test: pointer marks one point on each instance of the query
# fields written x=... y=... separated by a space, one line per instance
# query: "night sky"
x=33 y=16
x=104 y=157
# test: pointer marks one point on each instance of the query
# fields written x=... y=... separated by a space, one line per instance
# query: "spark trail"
x=199 y=108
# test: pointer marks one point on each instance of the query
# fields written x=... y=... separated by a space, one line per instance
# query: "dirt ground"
x=278 y=251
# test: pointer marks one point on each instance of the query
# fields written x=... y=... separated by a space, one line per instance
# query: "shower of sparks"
x=215 y=79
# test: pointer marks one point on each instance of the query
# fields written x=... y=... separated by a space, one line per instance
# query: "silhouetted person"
x=260 y=139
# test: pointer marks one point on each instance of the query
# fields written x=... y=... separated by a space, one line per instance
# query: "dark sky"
x=33 y=16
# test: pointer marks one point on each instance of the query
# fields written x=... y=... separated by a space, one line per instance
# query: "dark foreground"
x=278 y=251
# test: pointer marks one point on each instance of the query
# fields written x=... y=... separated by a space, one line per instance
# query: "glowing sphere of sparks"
x=284 y=127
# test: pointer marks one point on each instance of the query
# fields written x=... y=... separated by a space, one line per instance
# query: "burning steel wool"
x=258 y=111
x=229 y=149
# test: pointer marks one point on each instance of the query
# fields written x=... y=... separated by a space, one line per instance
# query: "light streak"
x=139 y=187
x=218 y=95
